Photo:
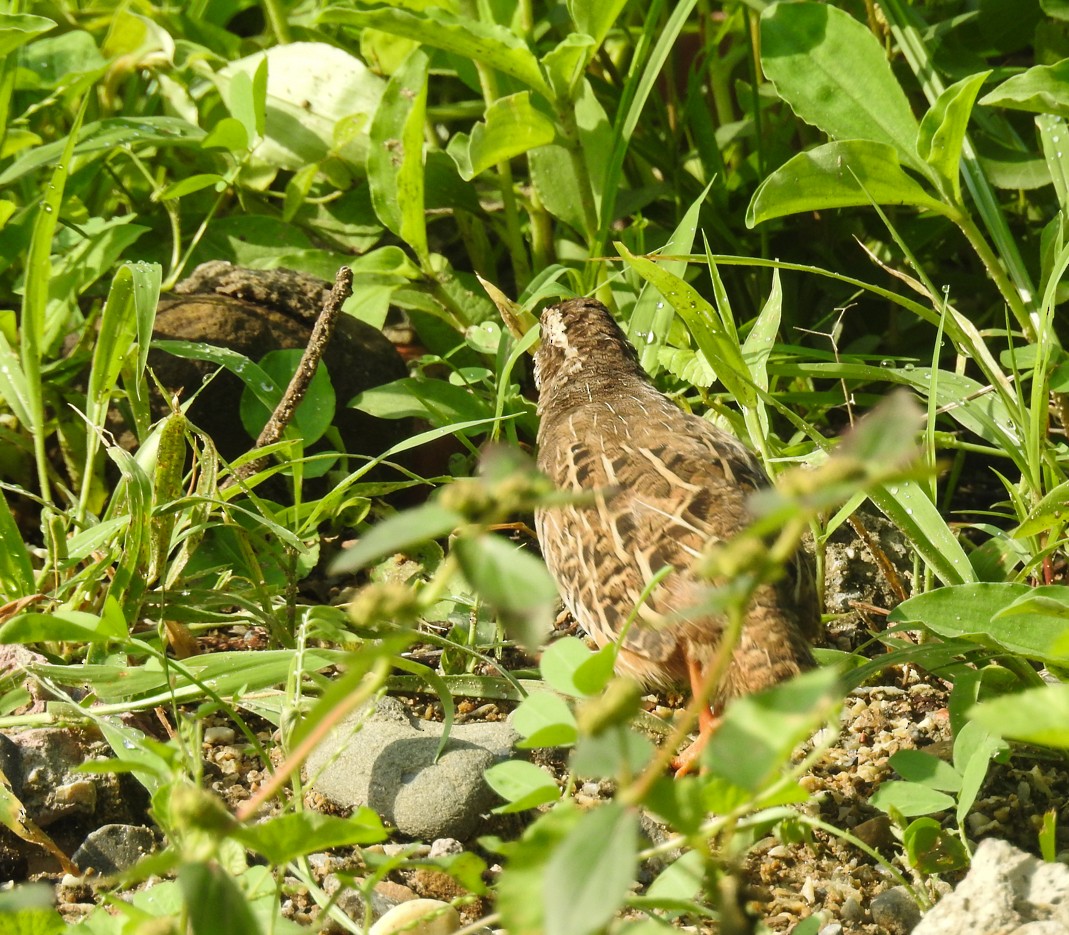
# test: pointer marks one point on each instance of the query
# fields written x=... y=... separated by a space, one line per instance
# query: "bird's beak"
x=516 y=319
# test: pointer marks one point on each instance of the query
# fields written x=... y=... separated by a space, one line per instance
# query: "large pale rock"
x=1005 y=892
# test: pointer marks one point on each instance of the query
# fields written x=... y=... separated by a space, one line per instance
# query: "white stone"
x=419 y=917
x=1004 y=890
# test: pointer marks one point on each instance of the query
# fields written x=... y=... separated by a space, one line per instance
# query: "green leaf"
x=523 y=785
x=544 y=719
x=908 y=506
x=701 y=320
x=395 y=160
x=835 y=75
x=514 y=582
x=997 y=614
x=311 y=88
x=312 y=417
x=928 y=770
x=193 y=183
x=561 y=661
x=214 y=901
x=438 y=401
x=1037 y=715
x=286 y=837
x=16 y=29
x=681 y=879
x=974 y=748
x=103 y=136
x=759 y=732
x=590 y=872
x=932 y=849
x=75 y=626
x=651 y=318
x=943 y=132
x=16 y=567
x=566 y=64
x=910 y=799
x=399 y=532
x=229 y=134
x=838 y=175
x=1043 y=89
x=440 y=28
x=687 y=364
x=595 y=17
x=511 y=127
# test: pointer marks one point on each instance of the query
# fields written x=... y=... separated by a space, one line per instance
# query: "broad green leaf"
x=571 y=182
x=910 y=799
x=229 y=134
x=395 y=159
x=544 y=720
x=511 y=127
x=702 y=322
x=932 y=849
x=1043 y=89
x=926 y=769
x=246 y=100
x=759 y=733
x=523 y=785
x=286 y=837
x=441 y=28
x=514 y=582
x=681 y=879
x=566 y=64
x=16 y=29
x=943 y=133
x=399 y=532
x=687 y=364
x=989 y=613
x=835 y=75
x=560 y=662
x=439 y=402
x=595 y=17
x=311 y=87
x=214 y=901
x=1036 y=715
x=590 y=872
x=838 y=175
x=315 y=413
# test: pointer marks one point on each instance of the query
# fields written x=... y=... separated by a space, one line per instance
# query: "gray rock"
x=895 y=911
x=1004 y=891
x=113 y=848
x=385 y=760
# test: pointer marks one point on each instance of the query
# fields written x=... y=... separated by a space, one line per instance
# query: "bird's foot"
x=685 y=761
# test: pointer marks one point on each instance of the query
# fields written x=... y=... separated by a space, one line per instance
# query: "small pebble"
x=214 y=736
x=895 y=911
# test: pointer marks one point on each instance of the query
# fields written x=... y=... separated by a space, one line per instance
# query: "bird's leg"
x=707 y=720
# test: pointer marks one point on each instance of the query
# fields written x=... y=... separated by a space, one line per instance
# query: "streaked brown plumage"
x=665 y=484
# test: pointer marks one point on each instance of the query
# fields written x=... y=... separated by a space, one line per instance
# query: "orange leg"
x=707 y=723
